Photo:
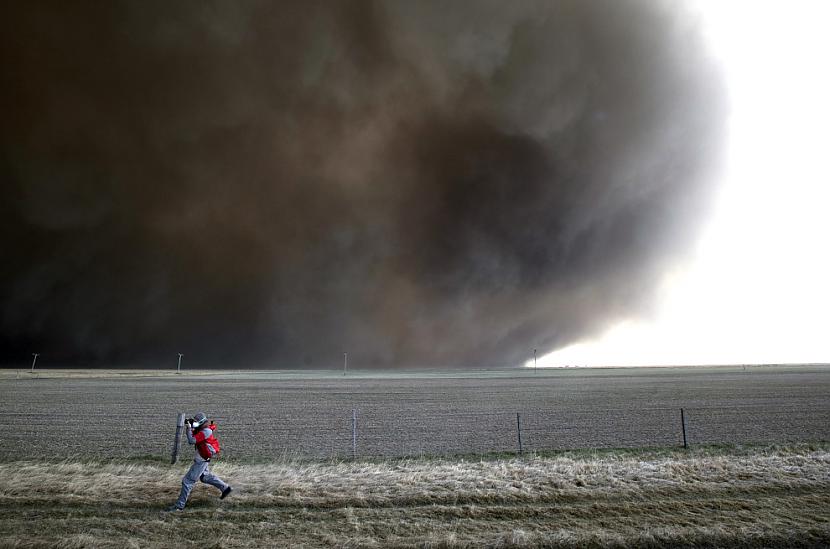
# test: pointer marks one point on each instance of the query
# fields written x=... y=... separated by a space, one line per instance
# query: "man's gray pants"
x=200 y=470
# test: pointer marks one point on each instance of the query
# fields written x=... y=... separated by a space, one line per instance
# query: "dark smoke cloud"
x=274 y=183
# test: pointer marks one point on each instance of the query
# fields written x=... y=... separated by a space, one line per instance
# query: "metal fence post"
x=519 y=430
x=354 y=434
x=683 y=425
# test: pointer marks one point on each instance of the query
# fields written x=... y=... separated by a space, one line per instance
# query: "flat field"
x=703 y=497
x=265 y=415
x=84 y=458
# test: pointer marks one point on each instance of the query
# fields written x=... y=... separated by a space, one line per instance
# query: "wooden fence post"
x=178 y=438
x=683 y=425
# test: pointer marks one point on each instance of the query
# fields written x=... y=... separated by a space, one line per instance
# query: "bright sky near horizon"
x=758 y=287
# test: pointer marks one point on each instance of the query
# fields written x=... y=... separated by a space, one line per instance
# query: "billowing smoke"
x=274 y=183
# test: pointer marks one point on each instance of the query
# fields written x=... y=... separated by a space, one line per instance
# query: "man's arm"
x=188 y=430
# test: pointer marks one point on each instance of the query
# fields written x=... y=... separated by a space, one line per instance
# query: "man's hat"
x=199 y=419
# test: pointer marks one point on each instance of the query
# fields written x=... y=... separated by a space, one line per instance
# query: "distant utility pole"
x=179 y=365
x=345 y=362
x=534 y=360
x=34 y=360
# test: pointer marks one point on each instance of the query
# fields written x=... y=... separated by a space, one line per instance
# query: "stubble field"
x=84 y=459
x=263 y=415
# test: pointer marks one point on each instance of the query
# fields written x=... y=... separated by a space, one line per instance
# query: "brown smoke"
x=274 y=183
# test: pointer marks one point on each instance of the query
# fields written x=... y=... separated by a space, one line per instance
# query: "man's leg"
x=209 y=478
x=188 y=480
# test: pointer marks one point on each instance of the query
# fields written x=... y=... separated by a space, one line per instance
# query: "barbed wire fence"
x=371 y=433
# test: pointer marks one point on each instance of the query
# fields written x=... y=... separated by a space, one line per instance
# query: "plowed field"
x=266 y=414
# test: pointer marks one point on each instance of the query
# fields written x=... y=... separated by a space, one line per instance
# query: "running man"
x=202 y=436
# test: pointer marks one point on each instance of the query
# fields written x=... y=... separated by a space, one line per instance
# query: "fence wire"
x=267 y=416
x=378 y=433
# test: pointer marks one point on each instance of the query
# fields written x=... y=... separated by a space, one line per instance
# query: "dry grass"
x=757 y=497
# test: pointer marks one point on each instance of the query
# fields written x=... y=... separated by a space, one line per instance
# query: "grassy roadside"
x=707 y=497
